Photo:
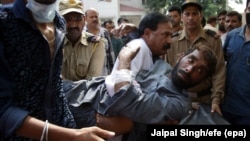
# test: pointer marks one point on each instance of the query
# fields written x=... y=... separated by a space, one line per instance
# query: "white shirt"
x=223 y=38
x=142 y=61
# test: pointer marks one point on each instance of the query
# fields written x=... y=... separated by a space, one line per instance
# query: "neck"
x=247 y=30
x=93 y=30
x=192 y=34
x=177 y=28
x=247 y=33
x=73 y=41
x=43 y=24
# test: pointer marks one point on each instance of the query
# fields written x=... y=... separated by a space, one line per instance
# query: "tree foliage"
x=210 y=7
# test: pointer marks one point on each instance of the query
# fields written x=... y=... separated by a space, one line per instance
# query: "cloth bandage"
x=123 y=75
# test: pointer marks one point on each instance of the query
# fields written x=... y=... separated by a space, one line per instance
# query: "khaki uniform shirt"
x=180 y=44
x=85 y=60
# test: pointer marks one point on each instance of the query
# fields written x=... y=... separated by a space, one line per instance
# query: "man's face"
x=232 y=22
x=175 y=18
x=190 y=70
x=75 y=23
x=191 y=17
x=109 y=27
x=159 y=40
x=221 y=19
x=92 y=19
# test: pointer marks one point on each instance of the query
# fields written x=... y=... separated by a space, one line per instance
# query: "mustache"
x=95 y=22
x=185 y=74
x=167 y=46
x=74 y=28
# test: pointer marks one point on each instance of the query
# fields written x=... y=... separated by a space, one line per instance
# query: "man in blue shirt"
x=237 y=54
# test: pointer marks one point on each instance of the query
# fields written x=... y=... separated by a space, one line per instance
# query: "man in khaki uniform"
x=212 y=89
x=84 y=54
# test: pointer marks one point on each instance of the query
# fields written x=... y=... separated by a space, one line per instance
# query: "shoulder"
x=235 y=31
x=92 y=38
x=60 y=22
x=176 y=34
x=104 y=32
x=211 y=33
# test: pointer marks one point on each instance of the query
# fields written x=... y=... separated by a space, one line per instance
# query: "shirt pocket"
x=81 y=67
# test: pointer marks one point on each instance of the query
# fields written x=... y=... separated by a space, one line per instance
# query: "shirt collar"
x=200 y=35
x=242 y=31
x=82 y=40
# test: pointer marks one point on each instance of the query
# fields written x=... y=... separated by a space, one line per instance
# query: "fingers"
x=105 y=134
x=216 y=108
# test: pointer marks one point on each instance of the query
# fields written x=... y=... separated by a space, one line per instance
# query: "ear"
x=202 y=16
x=147 y=32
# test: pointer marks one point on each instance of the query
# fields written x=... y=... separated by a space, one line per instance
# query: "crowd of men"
x=66 y=76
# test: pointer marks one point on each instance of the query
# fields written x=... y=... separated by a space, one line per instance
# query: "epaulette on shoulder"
x=94 y=39
x=211 y=33
x=175 y=34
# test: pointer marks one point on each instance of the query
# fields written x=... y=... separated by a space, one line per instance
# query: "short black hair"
x=151 y=21
x=175 y=8
x=121 y=19
x=107 y=21
x=223 y=12
x=235 y=13
x=211 y=19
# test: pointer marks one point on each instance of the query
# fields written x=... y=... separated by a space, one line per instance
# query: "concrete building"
x=133 y=10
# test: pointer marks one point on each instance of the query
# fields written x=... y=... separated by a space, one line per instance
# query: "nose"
x=169 y=40
x=72 y=23
x=189 y=69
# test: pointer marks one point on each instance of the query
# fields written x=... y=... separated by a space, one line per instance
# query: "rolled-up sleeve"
x=11 y=117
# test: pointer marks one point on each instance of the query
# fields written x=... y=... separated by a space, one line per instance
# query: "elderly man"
x=93 y=26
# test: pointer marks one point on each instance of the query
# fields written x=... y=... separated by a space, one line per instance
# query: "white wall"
x=107 y=10
x=133 y=3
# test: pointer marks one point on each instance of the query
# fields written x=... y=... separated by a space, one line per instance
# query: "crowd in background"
x=40 y=48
